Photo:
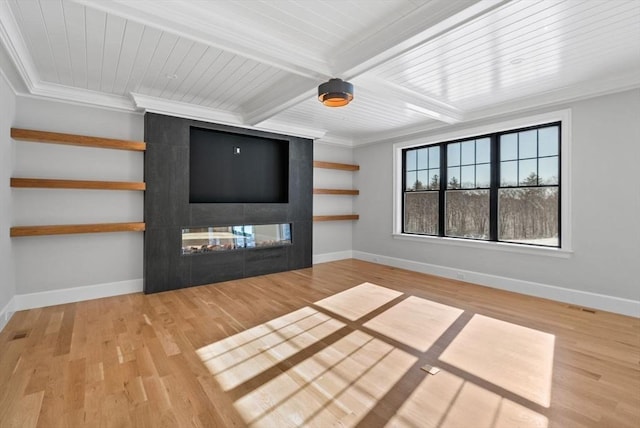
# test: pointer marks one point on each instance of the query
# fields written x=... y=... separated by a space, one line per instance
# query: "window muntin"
x=529 y=207
x=499 y=187
x=468 y=164
x=422 y=184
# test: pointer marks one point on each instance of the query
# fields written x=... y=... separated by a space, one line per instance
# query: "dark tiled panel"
x=167 y=211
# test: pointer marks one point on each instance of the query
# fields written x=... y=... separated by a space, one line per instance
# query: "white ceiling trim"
x=335 y=141
x=82 y=96
x=194 y=112
x=188 y=111
x=16 y=48
x=557 y=98
x=288 y=129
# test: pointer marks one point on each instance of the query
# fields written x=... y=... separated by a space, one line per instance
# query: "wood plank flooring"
x=339 y=344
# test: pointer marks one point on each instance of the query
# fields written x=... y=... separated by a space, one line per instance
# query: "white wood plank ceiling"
x=415 y=64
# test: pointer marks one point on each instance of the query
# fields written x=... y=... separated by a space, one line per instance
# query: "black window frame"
x=494 y=187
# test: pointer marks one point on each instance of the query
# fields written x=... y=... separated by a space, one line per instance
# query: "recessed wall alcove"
x=168 y=210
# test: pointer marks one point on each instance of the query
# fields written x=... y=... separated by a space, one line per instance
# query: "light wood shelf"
x=76 y=140
x=46 y=183
x=335 y=165
x=335 y=192
x=336 y=217
x=66 y=229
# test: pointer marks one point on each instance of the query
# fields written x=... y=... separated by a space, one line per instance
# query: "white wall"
x=605 y=213
x=332 y=240
x=7 y=281
x=54 y=263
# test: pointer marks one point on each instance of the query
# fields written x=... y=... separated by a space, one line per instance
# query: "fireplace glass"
x=198 y=240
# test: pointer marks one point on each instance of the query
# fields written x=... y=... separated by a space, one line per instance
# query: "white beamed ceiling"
x=416 y=64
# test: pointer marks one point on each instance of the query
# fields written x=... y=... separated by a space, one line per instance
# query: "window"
x=502 y=187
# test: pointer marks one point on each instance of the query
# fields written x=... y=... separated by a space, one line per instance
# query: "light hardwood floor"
x=339 y=344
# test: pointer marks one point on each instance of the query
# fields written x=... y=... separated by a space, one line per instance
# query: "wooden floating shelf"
x=76 y=140
x=46 y=183
x=67 y=229
x=336 y=217
x=334 y=165
x=335 y=192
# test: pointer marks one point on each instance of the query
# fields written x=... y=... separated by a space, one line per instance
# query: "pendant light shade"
x=335 y=93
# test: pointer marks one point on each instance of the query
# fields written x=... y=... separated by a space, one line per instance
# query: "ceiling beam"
x=408 y=33
x=386 y=44
x=416 y=101
x=195 y=22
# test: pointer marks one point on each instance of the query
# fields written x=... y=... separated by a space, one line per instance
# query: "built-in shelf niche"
x=339 y=192
x=48 y=183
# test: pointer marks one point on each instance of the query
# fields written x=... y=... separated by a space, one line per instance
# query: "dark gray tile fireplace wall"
x=167 y=211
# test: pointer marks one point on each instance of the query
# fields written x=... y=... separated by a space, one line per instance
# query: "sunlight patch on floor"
x=337 y=385
x=447 y=401
x=358 y=301
x=344 y=377
x=238 y=358
x=415 y=322
x=516 y=358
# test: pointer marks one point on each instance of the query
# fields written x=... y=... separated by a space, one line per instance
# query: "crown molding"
x=332 y=140
x=17 y=51
x=16 y=48
x=400 y=135
x=10 y=73
x=549 y=99
x=82 y=96
x=295 y=130
x=191 y=111
x=557 y=97
x=185 y=110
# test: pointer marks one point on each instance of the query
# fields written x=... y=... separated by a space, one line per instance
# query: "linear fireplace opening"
x=200 y=240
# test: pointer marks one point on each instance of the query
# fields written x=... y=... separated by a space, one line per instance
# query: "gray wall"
x=66 y=261
x=7 y=111
x=605 y=208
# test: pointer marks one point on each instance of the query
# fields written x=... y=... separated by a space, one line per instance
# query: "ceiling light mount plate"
x=335 y=93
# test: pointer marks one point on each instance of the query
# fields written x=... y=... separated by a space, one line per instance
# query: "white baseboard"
x=7 y=312
x=575 y=297
x=332 y=257
x=76 y=294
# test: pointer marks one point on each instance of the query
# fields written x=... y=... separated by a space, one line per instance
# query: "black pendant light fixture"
x=335 y=93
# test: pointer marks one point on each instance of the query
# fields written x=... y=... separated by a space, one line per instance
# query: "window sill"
x=493 y=246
